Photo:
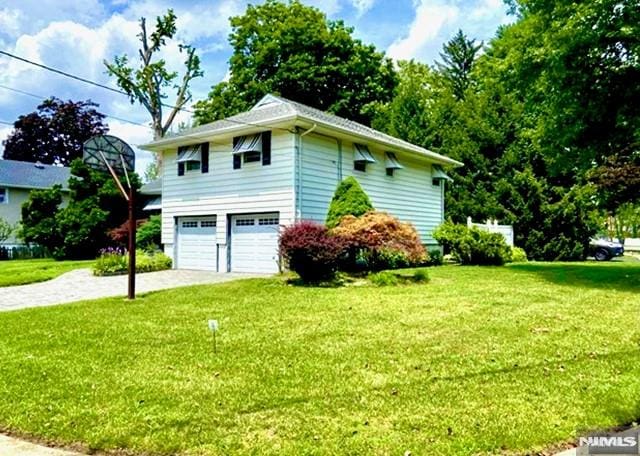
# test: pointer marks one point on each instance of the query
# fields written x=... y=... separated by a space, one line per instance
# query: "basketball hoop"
x=110 y=154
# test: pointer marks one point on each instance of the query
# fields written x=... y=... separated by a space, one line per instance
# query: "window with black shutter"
x=266 y=148
x=204 y=159
x=254 y=148
x=180 y=164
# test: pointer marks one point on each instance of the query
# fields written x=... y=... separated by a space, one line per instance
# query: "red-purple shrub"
x=311 y=251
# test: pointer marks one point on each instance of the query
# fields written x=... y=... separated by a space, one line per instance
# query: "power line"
x=97 y=84
x=63 y=73
x=40 y=97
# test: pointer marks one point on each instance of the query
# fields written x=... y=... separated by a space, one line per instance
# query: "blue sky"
x=77 y=35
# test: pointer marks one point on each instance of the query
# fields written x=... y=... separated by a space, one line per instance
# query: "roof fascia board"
x=179 y=140
x=28 y=187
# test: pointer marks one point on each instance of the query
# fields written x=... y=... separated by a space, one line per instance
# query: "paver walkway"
x=80 y=284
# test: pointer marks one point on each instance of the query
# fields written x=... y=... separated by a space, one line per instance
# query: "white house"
x=17 y=179
x=229 y=185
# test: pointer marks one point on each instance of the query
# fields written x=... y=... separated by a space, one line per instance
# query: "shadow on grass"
x=619 y=276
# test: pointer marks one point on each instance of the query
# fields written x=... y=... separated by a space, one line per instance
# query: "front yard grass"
x=22 y=272
x=479 y=360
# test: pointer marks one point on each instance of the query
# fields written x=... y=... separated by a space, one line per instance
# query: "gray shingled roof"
x=152 y=188
x=32 y=175
x=273 y=108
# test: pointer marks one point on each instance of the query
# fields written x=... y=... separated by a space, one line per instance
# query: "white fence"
x=632 y=244
x=493 y=227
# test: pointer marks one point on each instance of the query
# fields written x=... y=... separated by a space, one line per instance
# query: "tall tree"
x=55 y=132
x=78 y=229
x=147 y=83
x=293 y=50
x=576 y=66
x=458 y=56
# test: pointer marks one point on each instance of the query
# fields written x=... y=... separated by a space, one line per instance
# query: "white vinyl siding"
x=223 y=191
x=408 y=194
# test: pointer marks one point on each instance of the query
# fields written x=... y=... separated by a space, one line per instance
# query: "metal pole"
x=132 y=245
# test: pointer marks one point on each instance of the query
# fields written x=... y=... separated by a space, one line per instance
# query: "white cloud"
x=10 y=22
x=134 y=135
x=37 y=14
x=431 y=16
x=436 y=21
x=329 y=7
x=362 y=5
x=490 y=10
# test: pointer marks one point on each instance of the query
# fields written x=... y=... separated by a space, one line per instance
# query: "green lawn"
x=479 y=360
x=21 y=272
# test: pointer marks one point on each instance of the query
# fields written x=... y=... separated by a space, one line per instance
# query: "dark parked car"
x=604 y=250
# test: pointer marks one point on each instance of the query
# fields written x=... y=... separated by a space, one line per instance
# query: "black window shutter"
x=181 y=164
x=266 y=148
x=237 y=161
x=204 y=157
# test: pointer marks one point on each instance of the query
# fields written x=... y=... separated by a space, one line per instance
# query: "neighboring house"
x=152 y=195
x=229 y=185
x=17 y=179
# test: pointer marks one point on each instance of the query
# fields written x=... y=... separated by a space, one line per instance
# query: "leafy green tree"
x=550 y=223
x=146 y=83
x=55 y=132
x=149 y=233
x=79 y=229
x=575 y=66
x=293 y=50
x=618 y=180
x=39 y=218
x=408 y=114
x=348 y=199
x=458 y=57
x=6 y=230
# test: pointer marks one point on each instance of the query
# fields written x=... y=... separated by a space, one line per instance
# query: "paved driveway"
x=81 y=284
x=10 y=446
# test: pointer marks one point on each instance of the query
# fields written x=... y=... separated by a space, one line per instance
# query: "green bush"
x=348 y=199
x=393 y=278
x=518 y=255
x=420 y=276
x=473 y=246
x=435 y=258
x=115 y=261
x=383 y=279
x=148 y=235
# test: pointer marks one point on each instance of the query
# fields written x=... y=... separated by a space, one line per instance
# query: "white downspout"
x=299 y=171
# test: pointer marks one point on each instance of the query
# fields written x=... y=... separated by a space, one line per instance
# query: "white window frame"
x=5 y=195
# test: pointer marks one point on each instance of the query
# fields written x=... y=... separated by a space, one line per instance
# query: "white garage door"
x=197 y=243
x=254 y=243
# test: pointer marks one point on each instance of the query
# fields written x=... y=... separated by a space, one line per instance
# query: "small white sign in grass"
x=213 y=327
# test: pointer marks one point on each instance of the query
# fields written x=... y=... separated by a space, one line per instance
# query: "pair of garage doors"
x=253 y=243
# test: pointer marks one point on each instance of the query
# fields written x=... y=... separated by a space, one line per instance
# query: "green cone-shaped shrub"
x=348 y=199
